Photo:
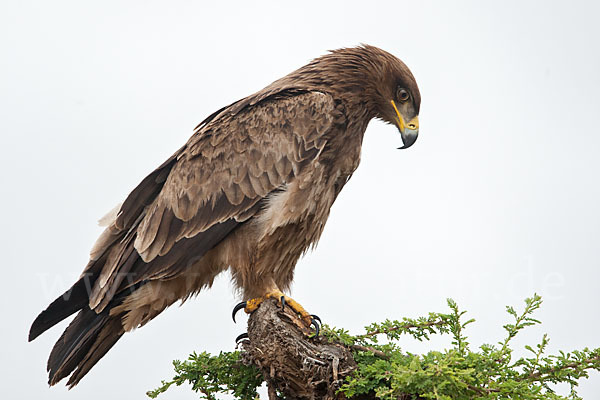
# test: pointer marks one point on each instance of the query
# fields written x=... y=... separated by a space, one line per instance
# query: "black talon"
x=237 y=308
x=313 y=322
x=242 y=336
x=282 y=299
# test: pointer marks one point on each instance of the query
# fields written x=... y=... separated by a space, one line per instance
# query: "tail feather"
x=83 y=343
x=107 y=337
x=91 y=334
x=66 y=304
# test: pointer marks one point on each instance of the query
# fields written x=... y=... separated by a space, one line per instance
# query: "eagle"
x=249 y=192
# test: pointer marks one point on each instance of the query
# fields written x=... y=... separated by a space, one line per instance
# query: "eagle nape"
x=252 y=305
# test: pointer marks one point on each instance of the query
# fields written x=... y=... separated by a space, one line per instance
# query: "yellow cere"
x=413 y=123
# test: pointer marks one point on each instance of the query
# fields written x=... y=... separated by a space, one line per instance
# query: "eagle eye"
x=402 y=94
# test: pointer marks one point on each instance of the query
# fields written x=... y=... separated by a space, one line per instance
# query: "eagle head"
x=396 y=95
x=374 y=80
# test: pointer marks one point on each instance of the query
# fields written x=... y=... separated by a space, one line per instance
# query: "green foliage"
x=385 y=370
x=211 y=375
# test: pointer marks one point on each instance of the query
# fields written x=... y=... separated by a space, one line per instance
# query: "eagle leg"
x=251 y=305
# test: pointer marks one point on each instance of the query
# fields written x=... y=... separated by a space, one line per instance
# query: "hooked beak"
x=409 y=131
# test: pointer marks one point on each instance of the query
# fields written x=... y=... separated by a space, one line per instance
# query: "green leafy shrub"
x=385 y=370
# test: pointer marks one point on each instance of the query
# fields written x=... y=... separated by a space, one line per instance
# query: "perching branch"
x=294 y=364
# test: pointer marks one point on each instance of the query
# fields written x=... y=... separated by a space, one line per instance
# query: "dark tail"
x=82 y=344
x=66 y=304
x=85 y=341
x=91 y=334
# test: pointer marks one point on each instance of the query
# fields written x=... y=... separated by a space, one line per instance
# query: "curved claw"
x=313 y=322
x=242 y=336
x=317 y=318
x=282 y=299
x=237 y=308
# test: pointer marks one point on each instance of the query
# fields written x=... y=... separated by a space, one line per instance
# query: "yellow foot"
x=252 y=305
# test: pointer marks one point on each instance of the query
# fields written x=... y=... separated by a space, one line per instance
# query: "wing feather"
x=212 y=184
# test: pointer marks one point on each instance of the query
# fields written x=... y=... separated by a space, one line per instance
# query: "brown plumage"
x=250 y=191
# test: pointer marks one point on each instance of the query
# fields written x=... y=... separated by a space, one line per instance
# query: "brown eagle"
x=250 y=192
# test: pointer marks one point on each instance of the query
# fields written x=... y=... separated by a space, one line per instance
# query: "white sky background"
x=497 y=200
